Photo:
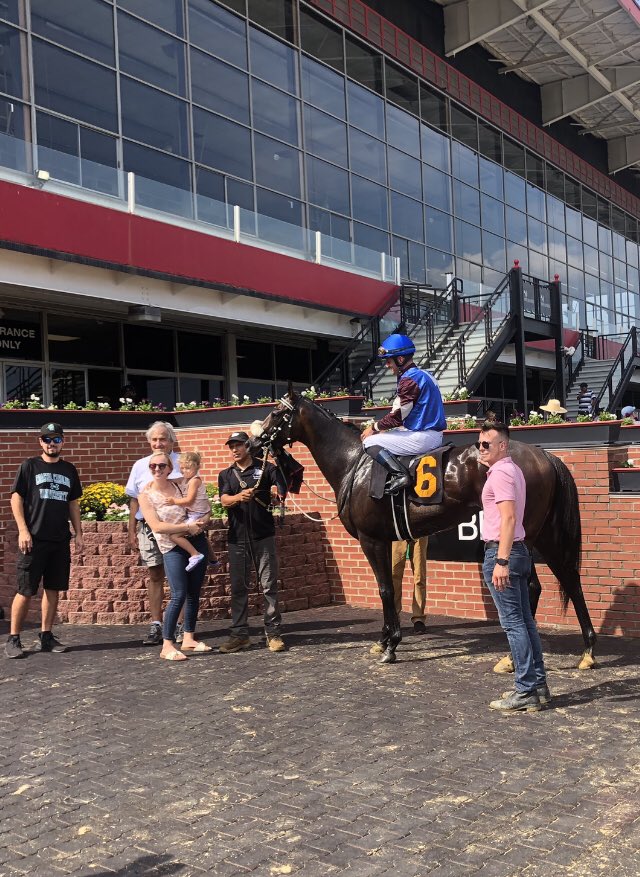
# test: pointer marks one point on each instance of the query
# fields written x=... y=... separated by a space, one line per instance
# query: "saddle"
x=427 y=473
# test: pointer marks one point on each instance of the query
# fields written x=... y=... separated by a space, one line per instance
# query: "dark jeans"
x=241 y=565
x=185 y=587
x=515 y=616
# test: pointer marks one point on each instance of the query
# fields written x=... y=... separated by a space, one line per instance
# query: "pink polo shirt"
x=505 y=481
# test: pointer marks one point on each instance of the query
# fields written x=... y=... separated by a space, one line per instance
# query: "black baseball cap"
x=51 y=429
x=238 y=437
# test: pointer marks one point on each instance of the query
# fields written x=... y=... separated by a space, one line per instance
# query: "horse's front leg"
x=378 y=553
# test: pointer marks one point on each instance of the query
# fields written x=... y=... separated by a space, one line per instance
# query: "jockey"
x=416 y=420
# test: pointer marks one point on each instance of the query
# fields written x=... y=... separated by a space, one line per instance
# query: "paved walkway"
x=317 y=761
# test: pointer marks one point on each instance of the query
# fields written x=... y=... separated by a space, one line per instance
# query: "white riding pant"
x=405 y=442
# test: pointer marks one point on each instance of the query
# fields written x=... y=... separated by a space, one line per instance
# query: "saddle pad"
x=426 y=471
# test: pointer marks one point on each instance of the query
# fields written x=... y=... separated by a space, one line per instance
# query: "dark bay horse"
x=551 y=521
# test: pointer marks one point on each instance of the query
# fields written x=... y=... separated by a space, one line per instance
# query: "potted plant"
x=339 y=402
x=556 y=432
x=626 y=477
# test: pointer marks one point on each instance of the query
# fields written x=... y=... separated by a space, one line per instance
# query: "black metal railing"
x=492 y=315
x=347 y=367
x=536 y=297
x=619 y=375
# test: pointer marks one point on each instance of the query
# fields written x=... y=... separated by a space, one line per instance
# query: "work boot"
x=399 y=474
x=235 y=644
x=544 y=694
x=517 y=702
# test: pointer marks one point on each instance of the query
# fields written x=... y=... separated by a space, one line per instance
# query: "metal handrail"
x=340 y=358
x=457 y=349
x=625 y=370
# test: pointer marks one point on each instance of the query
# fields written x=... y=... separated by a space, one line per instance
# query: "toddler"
x=195 y=501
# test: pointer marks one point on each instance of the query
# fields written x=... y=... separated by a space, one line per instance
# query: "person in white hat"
x=553 y=406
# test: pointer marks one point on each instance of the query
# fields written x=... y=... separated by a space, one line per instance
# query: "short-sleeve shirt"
x=168 y=514
x=505 y=481
x=46 y=490
x=586 y=400
x=140 y=476
x=251 y=518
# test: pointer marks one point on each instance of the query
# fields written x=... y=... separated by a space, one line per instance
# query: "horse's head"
x=278 y=428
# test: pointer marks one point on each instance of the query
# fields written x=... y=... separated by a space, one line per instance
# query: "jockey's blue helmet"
x=396 y=345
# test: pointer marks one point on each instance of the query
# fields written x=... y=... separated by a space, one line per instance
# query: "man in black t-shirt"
x=245 y=493
x=44 y=497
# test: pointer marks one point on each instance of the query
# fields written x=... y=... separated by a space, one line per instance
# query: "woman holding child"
x=170 y=524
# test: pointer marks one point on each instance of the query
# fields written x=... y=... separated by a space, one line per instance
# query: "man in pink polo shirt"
x=507 y=567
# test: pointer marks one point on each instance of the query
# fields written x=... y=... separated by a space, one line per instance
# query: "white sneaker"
x=194 y=561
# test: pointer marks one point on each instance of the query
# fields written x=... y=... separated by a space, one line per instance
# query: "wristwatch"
x=501 y=561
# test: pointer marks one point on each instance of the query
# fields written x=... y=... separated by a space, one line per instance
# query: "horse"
x=551 y=520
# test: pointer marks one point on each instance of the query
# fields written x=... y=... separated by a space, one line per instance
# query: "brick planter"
x=108 y=585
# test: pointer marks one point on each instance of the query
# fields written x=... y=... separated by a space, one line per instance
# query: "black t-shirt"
x=252 y=516
x=46 y=490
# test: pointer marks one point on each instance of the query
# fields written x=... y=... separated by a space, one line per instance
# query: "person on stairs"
x=416 y=420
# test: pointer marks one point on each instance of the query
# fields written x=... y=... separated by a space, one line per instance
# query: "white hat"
x=553 y=406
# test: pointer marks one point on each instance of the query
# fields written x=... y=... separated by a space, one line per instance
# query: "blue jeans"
x=515 y=616
x=185 y=587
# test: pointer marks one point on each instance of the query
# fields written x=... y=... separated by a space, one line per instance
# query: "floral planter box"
x=343 y=406
x=562 y=435
x=625 y=480
x=459 y=408
x=227 y=415
x=630 y=434
x=33 y=418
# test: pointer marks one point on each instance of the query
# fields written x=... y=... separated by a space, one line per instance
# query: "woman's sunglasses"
x=47 y=439
x=160 y=466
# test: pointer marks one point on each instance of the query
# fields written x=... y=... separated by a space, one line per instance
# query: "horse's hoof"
x=377 y=649
x=389 y=657
x=504 y=665
x=587 y=662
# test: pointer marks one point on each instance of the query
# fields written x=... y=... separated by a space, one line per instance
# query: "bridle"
x=279 y=433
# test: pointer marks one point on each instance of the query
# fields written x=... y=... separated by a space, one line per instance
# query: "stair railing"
x=619 y=375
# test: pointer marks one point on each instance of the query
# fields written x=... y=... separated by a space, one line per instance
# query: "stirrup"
x=396 y=483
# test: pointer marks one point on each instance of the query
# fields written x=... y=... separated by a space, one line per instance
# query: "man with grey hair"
x=162 y=438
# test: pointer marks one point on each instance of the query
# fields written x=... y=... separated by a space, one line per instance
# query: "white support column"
x=131 y=192
x=318 y=247
x=236 y=223
x=383 y=259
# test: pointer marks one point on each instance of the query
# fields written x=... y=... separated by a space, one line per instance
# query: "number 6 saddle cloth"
x=427 y=473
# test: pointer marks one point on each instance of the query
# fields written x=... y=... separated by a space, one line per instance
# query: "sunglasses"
x=484 y=445
x=47 y=439
x=160 y=466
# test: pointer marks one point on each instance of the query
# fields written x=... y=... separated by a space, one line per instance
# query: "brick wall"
x=610 y=525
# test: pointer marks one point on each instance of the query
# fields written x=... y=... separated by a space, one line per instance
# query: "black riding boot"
x=399 y=474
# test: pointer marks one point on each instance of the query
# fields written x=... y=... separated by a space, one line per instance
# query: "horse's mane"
x=333 y=416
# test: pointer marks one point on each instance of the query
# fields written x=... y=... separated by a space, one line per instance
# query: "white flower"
x=533 y=414
x=235 y=398
x=52 y=407
x=179 y=405
x=34 y=398
x=103 y=405
x=122 y=399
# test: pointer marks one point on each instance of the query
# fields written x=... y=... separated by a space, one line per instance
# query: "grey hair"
x=170 y=431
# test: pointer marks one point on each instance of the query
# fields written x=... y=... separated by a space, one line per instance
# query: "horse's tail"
x=566 y=520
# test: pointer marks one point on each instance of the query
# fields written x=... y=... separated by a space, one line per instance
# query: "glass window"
x=491 y=178
x=211 y=197
x=218 y=31
x=536 y=203
x=371 y=238
x=14 y=152
x=464 y=126
x=240 y=193
x=407 y=217
x=573 y=222
x=402 y=88
x=591 y=260
x=10 y=10
x=364 y=65
x=72 y=339
x=493 y=251
x=632 y=253
x=439 y=230
x=28 y=324
x=12 y=52
x=555 y=181
x=366 y=110
x=537 y=235
x=516 y=224
x=21 y=381
x=538 y=265
x=555 y=212
x=219 y=87
x=321 y=39
x=273 y=15
x=85 y=26
x=275 y=112
x=328 y=186
x=433 y=108
x=513 y=156
x=254 y=358
x=437 y=188
x=404 y=173
x=293 y=363
x=557 y=245
x=606 y=267
x=468 y=241
x=200 y=390
x=153 y=117
x=323 y=87
x=590 y=231
x=535 y=169
x=618 y=246
x=336 y=230
x=617 y=220
x=277 y=165
x=222 y=144
x=287 y=231
x=589 y=203
x=604 y=211
x=163 y=168
x=466 y=202
x=165 y=13
x=417 y=262
x=273 y=61
x=620 y=272
x=574 y=252
x=489 y=142
x=148 y=348
x=368 y=156
x=439 y=268
x=76 y=154
x=156 y=388
x=74 y=87
x=492 y=214
x=403 y=131
x=604 y=239
x=325 y=136
x=633 y=279
x=514 y=189
x=151 y=55
x=435 y=148
x=464 y=164
x=369 y=202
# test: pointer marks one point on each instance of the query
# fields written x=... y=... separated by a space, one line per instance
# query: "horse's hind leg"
x=378 y=554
